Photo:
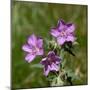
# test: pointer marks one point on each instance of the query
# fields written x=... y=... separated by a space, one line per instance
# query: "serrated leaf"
x=57 y=82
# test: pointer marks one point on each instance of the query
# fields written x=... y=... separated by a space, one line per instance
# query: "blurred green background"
x=38 y=18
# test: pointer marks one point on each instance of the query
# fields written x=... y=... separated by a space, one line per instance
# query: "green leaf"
x=57 y=82
x=75 y=43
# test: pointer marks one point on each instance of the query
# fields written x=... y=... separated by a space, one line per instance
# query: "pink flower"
x=64 y=32
x=51 y=63
x=33 y=47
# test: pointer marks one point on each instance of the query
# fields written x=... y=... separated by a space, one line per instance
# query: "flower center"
x=63 y=33
x=50 y=60
x=35 y=50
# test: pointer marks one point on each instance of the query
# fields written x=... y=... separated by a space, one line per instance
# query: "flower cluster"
x=63 y=32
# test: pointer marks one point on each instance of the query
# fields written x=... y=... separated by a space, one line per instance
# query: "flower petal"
x=70 y=28
x=54 y=32
x=70 y=38
x=54 y=67
x=40 y=43
x=51 y=54
x=58 y=59
x=46 y=71
x=43 y=61
x=61 y=24
x=26 y=48
x=30 y=57
x=60 y=40
x=32 y=40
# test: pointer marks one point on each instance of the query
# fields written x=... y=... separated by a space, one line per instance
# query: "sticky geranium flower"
x=64 y=32
x=51 y=63
x=33 y=47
